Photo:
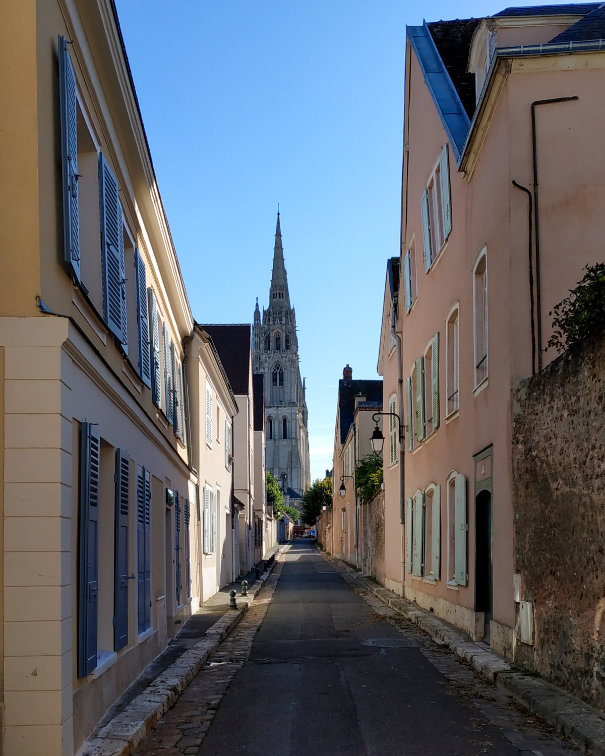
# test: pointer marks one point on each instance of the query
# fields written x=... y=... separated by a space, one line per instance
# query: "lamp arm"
x=376 y=415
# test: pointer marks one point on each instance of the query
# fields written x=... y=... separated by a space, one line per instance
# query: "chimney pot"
x=347 y=373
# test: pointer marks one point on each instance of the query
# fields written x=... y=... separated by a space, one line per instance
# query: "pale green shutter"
x=409 y=527
x=393 y=428
x=419 y=397
x=409 y=424
x=418 y=534
x=407 y=280
x=461 y=529
x=426 y=234
x=436 y=533
x=435 y=380
x=446 y=205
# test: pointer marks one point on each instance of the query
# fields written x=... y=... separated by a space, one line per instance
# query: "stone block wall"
x=558 y=465
x=373 y=537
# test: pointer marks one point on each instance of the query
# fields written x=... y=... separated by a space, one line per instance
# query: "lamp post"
x=343 y=490
x=377 y=439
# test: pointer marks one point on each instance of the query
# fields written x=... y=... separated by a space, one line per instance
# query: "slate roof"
x=569 y=9
x=591 y=27
x=258 y=392
x=233 y=343
x=347 y=391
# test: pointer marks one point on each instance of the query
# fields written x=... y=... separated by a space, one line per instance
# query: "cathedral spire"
x=279 y=281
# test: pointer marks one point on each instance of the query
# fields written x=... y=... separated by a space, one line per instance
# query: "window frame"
x=452 y=352
x=480 y=320
x=436 y=209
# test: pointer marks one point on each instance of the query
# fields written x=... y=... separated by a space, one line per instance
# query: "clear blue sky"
x=247 y=103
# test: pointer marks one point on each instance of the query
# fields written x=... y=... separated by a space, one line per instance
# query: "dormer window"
x=482 y=52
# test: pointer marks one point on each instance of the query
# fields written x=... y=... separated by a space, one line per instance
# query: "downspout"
x=401 y=456
x=536 y=212
x=357 y=546
x=531 y=276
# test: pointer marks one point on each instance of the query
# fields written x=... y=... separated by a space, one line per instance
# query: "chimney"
x=359 y=398
x=347 y=373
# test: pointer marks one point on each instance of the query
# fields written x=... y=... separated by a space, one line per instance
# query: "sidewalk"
x=161 y=683
x=578 y=721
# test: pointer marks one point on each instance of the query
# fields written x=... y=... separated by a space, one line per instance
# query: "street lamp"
x=342 y=490
x=377 y=439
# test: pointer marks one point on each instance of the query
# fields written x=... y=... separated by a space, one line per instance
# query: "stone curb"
x=578 y=721
x=122 y=735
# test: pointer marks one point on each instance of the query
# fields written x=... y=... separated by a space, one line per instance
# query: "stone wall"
x=372 y=527
x=559 y=505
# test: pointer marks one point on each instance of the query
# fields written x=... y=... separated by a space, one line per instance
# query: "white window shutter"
x=168 y=376
x=393 y=431
x=213 y=523
x=206 y=520
x=435 y=380
x=69 y=160
x=208 y=415
x=418 y=534
x=436 y=534
x=426 y=234
x=446 y=204
x=409 y=426
x=460 y=539
x=419 y=390
x=407 y=278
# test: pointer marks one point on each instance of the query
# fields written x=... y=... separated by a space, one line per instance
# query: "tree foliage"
x=582 y=313
x=317 y=495
x=275 y=496
x=368 y=477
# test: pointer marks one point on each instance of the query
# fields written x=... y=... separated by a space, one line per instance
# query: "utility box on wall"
x=526 y=622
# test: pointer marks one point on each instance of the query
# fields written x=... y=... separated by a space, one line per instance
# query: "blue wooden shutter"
x=418 y=534
x=167 y=375
x=409 y=528
x=88 y=586
x=444 y=179
x=187 y=554
x=409 y=425
x=120 y=619
x=436 y=534
x=154 y=339
x=142 y=320
x=143 y=549
x=112 y=253
x=435 y=380
x=407 y=278
x=177 y=546
x=419 y=397
x=175 y=390
x=69 y=160
x=460 y=531
x=426 y=233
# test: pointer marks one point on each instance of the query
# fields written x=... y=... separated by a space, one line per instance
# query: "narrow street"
x=318 y=668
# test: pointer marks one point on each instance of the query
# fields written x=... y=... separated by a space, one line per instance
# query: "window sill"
x=145 y=634
x=481 y=386
x=106 y=660
x=91 y=316
x=439 y=256
x=452 y=416
x=429 y=579
x=452 y=586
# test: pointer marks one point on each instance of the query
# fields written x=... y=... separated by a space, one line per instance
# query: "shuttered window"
x=88 y=586
x=461 y=529
x=143 y=549
x=480 y=317
x=69 y=160
x=213 y=523
x=208 y=414
x=122 y=514
x=419 y=398
x=168 y=385
x=393 y=432
x=206 y=525
x=452 y=357
x=409 y=529
x=176 y=407
x=112 y=254
x=409 y=414
x=418 y=535
x=435 y=565
x=154 y=339
x=187 y=518
x=142 y=320
x=177 y=548
x=228 y=445
x=436 y=210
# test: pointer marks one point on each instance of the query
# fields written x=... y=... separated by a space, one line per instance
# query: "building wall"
x=559 y=506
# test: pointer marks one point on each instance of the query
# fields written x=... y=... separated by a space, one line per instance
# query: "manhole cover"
x=390 y=642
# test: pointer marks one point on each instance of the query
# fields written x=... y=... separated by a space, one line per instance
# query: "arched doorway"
x=483 y=557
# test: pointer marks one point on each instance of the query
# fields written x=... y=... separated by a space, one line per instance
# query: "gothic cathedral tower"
x=275 y=354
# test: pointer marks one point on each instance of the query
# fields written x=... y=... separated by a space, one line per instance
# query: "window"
x=154 y=340
x=452 y=376
x=143 y=492
x=436 y=210
x=414 y=534
x=287 y=342
x=418 y=398
x=393 y=432
x=267 y=343
x=218 y=423
x=431 y=386
x=456 y=530
x=186 y=517
x=270 y=428
x=409 y=273
x=278 y=376
x=278 y=342
x=228 y=445
x=480 y=317
x=284 y=428
x=432 y=532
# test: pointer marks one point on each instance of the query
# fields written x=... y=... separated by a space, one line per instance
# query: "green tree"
x=368 y=477
x=275 y=496
x=582 y=313
x=317 y=495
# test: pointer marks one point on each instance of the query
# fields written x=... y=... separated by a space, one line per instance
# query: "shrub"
x=582 y=313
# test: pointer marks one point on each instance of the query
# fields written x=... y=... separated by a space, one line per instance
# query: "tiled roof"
x=591 y=27
x=232 y=343
x=347 y=391
x=569 y=9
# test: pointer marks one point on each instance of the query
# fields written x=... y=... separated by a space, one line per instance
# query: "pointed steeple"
x=279 y=280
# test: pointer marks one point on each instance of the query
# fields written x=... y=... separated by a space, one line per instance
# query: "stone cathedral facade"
x=275 y=355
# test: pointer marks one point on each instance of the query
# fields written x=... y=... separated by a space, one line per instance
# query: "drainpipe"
x=401 y=455
x=534 y=104
x=531 y=276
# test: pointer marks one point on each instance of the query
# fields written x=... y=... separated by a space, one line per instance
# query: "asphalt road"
x=328 y=673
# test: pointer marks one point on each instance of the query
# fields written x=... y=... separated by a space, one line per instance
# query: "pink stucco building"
x=503 y=201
